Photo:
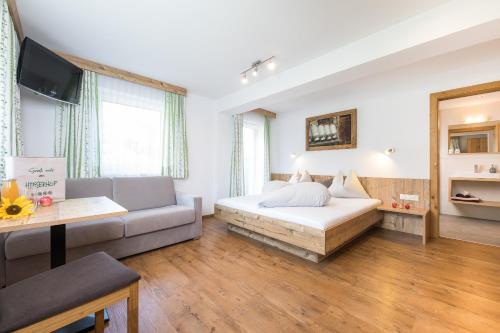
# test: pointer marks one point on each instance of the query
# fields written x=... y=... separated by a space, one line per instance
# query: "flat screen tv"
x=46 y=73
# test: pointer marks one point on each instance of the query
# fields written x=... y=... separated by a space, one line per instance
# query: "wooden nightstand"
x=422 y=212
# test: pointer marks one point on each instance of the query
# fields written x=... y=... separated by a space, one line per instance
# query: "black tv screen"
x=44 y=72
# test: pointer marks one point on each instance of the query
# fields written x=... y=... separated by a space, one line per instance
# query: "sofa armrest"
x=193 y=201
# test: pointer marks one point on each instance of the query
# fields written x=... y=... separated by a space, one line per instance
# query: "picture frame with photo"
x=336 y=130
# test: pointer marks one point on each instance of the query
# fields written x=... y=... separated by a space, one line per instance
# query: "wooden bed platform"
x=303 y=241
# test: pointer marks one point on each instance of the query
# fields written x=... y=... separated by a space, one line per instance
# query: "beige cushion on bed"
x=350 y=188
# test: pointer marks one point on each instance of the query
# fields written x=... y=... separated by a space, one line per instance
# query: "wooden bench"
x=59 y=297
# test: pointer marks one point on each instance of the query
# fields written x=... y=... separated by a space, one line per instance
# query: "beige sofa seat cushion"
x=155 y=219
x=20 y=244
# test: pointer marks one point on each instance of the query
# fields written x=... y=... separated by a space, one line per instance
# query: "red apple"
x=407 y=206
x=45 y=201
x=394 y=204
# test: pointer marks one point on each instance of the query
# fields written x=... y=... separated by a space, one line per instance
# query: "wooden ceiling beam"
x=265 y=113
x=121 y=74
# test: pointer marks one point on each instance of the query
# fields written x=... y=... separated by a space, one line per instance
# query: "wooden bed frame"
x=303 y=241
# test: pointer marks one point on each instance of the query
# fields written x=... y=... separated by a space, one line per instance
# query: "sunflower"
x=21 y=207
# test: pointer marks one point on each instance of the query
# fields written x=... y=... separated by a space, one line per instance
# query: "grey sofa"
x=158 y=216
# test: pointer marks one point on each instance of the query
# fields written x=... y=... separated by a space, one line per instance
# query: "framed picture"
x=331 y=131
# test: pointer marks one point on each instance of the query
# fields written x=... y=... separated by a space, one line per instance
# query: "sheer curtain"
x=77 y=134
x=267 y=149
x=132 y=117
x=10 y=113
x=237 y=178
x=175 y=154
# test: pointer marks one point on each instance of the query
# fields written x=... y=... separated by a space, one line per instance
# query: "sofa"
x=158 y=216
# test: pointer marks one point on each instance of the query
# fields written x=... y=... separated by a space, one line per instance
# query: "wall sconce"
x=390 y=151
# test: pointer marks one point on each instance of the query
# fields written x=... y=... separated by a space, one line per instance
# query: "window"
x=131 y=141
x=131 y=133
x=253 y=154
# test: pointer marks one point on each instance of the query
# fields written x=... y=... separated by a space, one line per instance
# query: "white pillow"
x=305 y=177
x=295 y=177
x=274 y=185
x=297 y=195
x=351 y=188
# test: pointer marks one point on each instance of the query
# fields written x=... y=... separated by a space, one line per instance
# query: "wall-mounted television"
x=46 y=73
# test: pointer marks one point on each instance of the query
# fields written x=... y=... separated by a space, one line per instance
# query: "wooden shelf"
x=480 y=203
x=411 y=211
x=422 y=212
x=471 y=179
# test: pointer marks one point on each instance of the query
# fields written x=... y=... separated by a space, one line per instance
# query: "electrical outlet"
x=408 y=197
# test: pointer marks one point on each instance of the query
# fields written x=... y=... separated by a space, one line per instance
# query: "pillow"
x=307 y=194
x=274 y=185
x=295 y=177
x=326 y=183
x=305 y=177
x=351 y=188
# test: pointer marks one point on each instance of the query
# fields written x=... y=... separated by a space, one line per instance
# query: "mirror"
x=478 y=138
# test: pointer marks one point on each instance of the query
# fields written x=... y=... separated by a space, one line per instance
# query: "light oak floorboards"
x=385 y=281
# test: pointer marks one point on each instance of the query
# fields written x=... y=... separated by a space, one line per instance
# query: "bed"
x=309 y=232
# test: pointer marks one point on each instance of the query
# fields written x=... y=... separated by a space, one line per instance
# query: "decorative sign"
x=39 y=177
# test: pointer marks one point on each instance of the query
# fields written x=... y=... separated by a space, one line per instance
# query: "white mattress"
x=337 y=211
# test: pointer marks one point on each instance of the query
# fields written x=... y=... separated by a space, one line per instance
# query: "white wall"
x=393 y=111
x=39 y=121
x=453 y=165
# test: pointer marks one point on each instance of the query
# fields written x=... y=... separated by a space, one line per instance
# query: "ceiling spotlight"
x=271 y=65
x=254 y=68
x=244 y=79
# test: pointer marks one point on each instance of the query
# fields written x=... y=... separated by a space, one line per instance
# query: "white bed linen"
x=337 y=211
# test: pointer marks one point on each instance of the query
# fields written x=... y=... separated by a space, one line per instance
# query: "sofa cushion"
x=137 y=193
x=25 y=243
x=149 y=220
x=89 y=187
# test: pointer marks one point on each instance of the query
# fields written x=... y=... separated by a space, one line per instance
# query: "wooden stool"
x=59 y=297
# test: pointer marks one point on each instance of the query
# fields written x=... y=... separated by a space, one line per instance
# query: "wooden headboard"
x=384 y=189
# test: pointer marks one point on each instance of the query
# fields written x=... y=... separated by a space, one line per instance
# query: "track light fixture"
x=244 y=78
x=254 y=68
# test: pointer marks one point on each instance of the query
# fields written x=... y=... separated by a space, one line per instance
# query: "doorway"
x=465 y=145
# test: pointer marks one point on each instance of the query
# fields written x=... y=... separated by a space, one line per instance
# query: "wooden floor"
x=470 y=229
x=384 y=282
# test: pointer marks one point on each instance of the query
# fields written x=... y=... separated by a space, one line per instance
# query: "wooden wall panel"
x=385 y=189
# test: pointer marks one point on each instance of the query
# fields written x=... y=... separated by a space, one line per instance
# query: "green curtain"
x=237 y=177
x=267 y=149
x=175 y=152
x=78 y=131
x=11 y=143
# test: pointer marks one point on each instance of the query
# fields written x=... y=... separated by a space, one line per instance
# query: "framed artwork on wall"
x=332 y=131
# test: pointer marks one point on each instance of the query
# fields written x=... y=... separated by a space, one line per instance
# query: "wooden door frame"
x=435 y=98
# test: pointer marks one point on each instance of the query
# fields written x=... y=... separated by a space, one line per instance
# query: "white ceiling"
x=204 y=45
x=423 y=78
